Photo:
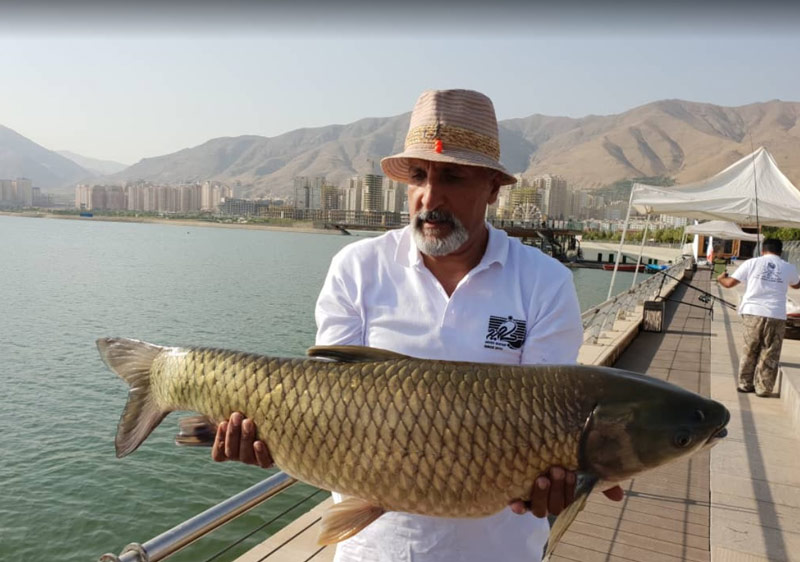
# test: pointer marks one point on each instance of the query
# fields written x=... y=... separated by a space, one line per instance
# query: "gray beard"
x=436 y=247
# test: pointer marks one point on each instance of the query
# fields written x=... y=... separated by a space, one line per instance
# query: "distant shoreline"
x=299 y=227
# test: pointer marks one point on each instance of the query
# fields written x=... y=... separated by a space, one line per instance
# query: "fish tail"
x=132 y=360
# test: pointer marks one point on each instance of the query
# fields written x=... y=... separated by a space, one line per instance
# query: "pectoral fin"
x=196 y=431
x=582 y=490
x=346 y=518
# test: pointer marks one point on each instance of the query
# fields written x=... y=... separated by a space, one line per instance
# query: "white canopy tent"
x=721 y=229
x=751 y=190
x=751 y=187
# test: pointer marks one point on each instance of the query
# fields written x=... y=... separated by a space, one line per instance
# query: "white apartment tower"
x=372 y=193
x=555 y=200
x=394 y=196
x=308 y=192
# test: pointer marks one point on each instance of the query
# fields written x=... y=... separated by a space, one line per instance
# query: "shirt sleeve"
x=556 y=333
x=339 y=319
x=796 y=279
x=743 y=271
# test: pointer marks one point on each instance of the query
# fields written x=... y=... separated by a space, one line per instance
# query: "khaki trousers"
x=763 y=339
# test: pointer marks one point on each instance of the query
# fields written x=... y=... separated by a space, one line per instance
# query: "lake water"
x=64 y=283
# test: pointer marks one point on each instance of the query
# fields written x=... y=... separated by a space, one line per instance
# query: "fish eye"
x=700 y=415
x=682 y=439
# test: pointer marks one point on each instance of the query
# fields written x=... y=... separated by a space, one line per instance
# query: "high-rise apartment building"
x=331 y=197
x=395 y=196
x=353 y=194
x=372 y=193
x=17 y=192
x=151 y=198
x=308 y=192
x=6 y=191
x=554 y=199
x=212 y=194
x=24 y=188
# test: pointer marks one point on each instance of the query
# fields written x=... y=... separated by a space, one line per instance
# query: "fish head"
x=623 y=438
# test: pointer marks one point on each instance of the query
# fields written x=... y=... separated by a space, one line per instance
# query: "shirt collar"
x=408 y=255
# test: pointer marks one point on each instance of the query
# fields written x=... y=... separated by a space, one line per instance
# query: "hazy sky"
x=132 y=83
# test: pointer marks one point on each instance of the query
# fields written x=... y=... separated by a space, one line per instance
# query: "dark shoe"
x=764 y=394
x=745 y=389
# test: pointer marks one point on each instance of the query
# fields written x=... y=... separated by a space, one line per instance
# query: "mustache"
x=435 y=215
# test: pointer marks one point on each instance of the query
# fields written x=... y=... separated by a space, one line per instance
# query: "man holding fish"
x=447 y=287
x=453 y=401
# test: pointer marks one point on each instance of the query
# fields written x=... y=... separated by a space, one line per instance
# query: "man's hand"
x=554 y=492
x=236 y=441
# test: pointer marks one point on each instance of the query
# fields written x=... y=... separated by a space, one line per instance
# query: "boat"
x=624 y=267
x=649 y=268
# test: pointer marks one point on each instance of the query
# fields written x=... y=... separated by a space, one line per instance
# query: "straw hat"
x=456 y=126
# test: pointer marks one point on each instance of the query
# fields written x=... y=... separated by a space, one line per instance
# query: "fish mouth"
x=715 y=438
x=721 y=433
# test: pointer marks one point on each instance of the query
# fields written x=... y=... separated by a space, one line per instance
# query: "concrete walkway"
x=755 y=472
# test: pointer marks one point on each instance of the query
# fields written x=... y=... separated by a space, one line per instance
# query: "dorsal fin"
x=353 y=353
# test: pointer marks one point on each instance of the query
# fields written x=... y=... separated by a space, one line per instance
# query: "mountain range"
x=684 y=140
x=20 y=157
x=93 y=165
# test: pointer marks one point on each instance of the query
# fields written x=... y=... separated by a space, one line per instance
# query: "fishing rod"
x=705 y=296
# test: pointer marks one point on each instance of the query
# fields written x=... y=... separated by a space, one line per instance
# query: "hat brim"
x=396 y=166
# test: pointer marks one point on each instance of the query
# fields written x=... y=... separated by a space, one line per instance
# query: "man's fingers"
x=218 y=449
x=247 y=454
x=233 y=436
x=569 y=488
x=555 y=499
x=615 y=494
x=263 y=458
x=518 y=507
x=539 y=496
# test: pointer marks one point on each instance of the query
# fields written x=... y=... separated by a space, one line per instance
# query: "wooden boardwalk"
x=739 y=502
x=665 y=514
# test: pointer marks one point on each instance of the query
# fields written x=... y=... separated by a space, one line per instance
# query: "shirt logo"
x=505 y=333
x=770 y=273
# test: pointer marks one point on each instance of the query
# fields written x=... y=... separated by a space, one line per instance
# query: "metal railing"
x=184 y=534
x=601 y=318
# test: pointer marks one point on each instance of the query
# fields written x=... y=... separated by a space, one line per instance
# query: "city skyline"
x=119 y=92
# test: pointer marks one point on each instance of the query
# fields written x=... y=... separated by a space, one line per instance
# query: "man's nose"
x=434 y=194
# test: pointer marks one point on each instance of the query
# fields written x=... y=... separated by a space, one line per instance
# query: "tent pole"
x=641 y=250
x=684 y=238
x=621 y=242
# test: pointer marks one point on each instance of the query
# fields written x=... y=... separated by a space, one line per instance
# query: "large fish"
x=395 y=433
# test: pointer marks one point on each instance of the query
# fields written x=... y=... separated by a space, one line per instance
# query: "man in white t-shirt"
x=763 y=311
x=451 y=287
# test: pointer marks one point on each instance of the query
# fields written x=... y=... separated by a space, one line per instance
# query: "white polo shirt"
x=766 y=279
x=517 y=306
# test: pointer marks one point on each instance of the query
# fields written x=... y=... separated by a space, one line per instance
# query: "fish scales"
x=409 y=435
x=395 y=433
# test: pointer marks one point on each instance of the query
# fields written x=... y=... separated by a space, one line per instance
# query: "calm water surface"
x=63 y=283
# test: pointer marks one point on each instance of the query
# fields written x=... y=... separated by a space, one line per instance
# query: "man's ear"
x=495 y=183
